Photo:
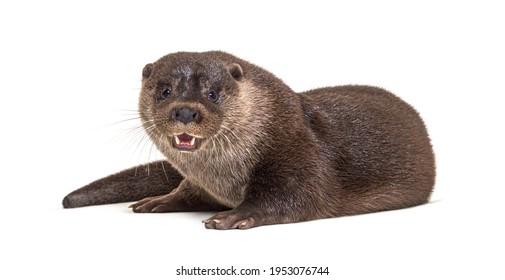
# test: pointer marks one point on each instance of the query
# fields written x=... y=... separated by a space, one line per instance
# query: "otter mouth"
x=185 y=142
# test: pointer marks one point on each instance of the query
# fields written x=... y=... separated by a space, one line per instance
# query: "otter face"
x=184 y=97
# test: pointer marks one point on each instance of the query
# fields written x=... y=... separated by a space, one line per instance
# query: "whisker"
x=164 y=171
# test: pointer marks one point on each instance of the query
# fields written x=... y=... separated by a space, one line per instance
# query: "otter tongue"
x=185 y=141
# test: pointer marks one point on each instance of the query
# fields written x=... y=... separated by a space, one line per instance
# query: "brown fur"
x=266 y=154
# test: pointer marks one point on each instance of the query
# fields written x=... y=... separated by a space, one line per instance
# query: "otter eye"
x=213 y=96
x=165 y=92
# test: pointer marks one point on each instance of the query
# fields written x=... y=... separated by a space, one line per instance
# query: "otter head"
x=184 y=98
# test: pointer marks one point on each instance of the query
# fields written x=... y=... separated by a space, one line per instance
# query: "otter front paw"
x=233 y=219
x=157 y=204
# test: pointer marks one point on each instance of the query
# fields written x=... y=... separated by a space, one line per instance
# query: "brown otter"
x=238 y=140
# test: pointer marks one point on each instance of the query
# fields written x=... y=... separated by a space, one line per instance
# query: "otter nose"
x=186 y=115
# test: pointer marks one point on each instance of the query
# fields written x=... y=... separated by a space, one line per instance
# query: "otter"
x=238 y=141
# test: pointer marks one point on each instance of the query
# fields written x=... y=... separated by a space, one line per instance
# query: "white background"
x=70 y=70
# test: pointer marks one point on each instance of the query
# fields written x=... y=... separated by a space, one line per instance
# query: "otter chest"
x=226 y=182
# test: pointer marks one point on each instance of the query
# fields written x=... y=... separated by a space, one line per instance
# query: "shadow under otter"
x=238 y=140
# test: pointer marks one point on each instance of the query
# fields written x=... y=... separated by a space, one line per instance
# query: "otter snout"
x=186 y=115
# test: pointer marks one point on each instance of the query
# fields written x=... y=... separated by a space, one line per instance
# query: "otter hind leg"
x=377 y=199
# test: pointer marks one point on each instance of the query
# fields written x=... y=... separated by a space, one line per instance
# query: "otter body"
x=238 y=140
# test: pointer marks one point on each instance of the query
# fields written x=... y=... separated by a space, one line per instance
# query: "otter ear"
x=236 y=71
x=148 y=69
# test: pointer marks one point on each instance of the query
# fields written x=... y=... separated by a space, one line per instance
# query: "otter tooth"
x=177 y=141
x=192 y=143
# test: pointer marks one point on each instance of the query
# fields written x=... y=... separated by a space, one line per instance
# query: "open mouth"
x=185 y=142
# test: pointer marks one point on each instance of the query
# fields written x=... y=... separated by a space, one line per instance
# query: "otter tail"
x=133 y=184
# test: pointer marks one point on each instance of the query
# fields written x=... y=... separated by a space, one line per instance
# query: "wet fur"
x=270 y=155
